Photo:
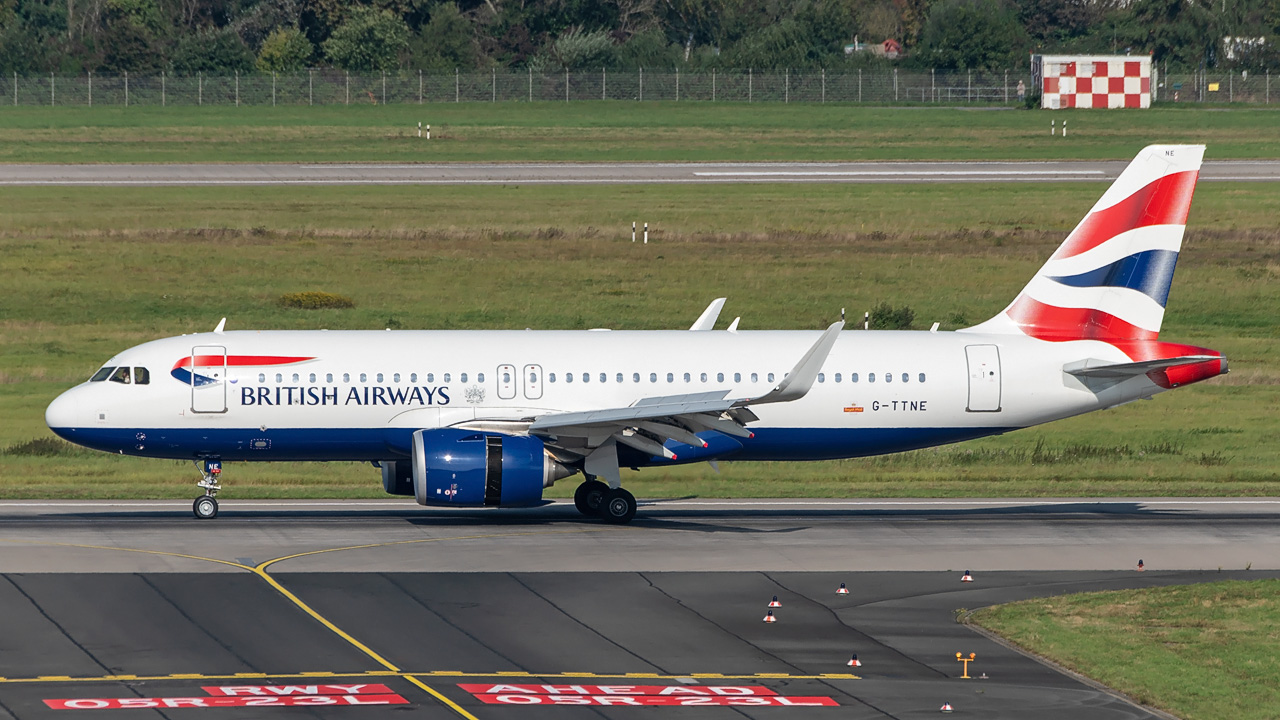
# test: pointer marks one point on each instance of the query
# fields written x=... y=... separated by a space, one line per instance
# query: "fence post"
x=200 y=88
x=566 y=84
x=786 y=86
x=384 y=87
x=52 y=93
x=859 y=84
x=456 y=93
x=677 y=84
x=273 y=88
x=310 y=87
x=1231 y=86
x=164 y=94
x=641 y=84
x=126 y=88
x=604 y=83
x=348 y=89
x=90 y=88
x=968 y=91
x=419 y=86
x=933 y=84
x=824 y=86
x=530 y=84
x=494 y=86
x=15 y=88
x=1268 y=86
x=237 y=88
x=1006 y=87
x=895 y=84
x=750 y=84
x=713 y=84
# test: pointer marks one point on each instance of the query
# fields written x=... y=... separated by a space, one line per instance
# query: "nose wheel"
x=205 y=507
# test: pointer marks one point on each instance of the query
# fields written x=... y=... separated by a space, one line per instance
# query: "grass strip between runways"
x=1201 y=652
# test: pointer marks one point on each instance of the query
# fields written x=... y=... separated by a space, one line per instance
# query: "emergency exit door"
x=208 y=368
x=984 y=378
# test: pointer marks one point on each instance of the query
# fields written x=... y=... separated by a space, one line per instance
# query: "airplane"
x=493 y=418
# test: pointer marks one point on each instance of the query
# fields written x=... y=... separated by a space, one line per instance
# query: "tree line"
x=245 y=36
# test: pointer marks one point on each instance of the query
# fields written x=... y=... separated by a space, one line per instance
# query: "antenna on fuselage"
x=221 y=324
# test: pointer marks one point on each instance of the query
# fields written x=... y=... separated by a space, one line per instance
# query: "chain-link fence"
x=334 y=87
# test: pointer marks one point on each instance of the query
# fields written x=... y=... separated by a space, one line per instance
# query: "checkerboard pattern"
x=1095 y=82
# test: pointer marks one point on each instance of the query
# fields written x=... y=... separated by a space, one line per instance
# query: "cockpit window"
x=102 y=374
x=141 y=376
x=121 y=375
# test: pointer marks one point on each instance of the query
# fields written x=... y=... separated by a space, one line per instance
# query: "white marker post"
x=633 y=231
x=428 y=132
x=1064 y=128
x=866 y=321
x=646 y=233
x=1053 y=130
x=419 y=128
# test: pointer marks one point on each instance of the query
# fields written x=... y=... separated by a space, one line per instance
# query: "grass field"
x=1201 y=652
x=90 y=271
x=616 y=131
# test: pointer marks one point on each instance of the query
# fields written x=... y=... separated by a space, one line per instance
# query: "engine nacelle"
x=466 y=467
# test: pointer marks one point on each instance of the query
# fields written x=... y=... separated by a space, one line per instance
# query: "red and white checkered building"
x=1092 y=81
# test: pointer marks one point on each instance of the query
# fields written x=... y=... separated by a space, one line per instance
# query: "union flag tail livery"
x=491 y=418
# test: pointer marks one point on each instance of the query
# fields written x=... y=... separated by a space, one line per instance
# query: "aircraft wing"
x=649 y=423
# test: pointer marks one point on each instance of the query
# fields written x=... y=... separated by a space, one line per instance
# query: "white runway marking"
x=889 y=173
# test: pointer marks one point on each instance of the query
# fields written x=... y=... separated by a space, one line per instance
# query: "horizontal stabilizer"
x=1108 y=370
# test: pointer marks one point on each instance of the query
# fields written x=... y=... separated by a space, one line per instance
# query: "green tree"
x=1176 y=31
x=972 y=34
x=285 y=50
x=446 y=41
x=211 y=51
x=368 y=40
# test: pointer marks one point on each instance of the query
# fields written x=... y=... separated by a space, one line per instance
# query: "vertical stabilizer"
x=1109 y=280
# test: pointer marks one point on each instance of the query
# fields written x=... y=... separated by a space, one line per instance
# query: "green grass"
x=91 y=271
x=1201 y=652
x=615 y=131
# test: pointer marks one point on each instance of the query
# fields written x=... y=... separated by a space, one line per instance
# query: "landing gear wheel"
x=619 y=507
x=589 y=497
x=205 y=507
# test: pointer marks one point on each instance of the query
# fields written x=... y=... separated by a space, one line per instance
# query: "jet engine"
x=464 y=467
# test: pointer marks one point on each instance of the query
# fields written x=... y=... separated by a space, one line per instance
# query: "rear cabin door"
x=506 y=382
x=984 y=378
x=208 y=379
x=533 y=382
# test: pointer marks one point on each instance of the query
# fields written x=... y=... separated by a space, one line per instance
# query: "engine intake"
x=464 y=467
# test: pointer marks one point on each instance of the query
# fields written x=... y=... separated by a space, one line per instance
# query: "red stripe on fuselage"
x=238 y=360
x=1163 y=202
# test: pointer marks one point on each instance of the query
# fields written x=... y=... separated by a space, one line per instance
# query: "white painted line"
x=888 y=173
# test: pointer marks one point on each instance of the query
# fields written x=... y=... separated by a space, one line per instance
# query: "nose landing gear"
x=206 y=506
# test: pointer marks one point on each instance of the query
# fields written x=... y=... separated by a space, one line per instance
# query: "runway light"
x=774 y=602
x=843 y=590
x=1141 y=567
x=854 y=661
x=967 y=577
x=770 y=618
x=946 y=707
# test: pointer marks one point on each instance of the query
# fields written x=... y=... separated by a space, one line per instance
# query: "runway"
x=338 y=605
x=599 y=173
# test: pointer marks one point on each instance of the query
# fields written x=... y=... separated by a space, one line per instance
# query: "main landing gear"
x=596 y=499
x=206 y=506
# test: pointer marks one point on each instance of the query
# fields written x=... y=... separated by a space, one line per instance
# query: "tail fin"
x=1110 y=279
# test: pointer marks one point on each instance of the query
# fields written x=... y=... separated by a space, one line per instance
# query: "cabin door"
x=208 y=368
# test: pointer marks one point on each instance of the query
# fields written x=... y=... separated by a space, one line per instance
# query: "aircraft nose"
x=63 y=414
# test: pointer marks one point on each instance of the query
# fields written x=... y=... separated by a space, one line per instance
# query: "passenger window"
x=121 y=375
x=446 y=377
x=346 y=377
x=395 y=378
x=822 y=378
x=737 y=377
x=533 y=377
x=102 y=374
x=906 y=377
x=328 y=377
x=568 y=377
x=431 y=377
x=141 y=376
x=770 y=377
x=262 y=377
x=379 y=377
x=671 y=377
x=837 y=377
x=703 y=377
x=686 y=377
x=921 y=377
x=719 y=377
x=479 y=377
x=653 y=377
x=604 y=377
x=620 y=377
x=871 y=377
x=295 y=377
x=312 y=378
x=755 y=377
x=413 y=377
x=551 y=377
x=888 y=377
x=364 y=377
x=635 y=377
x=462 y=377
x=853 y=377
x=506 y=378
